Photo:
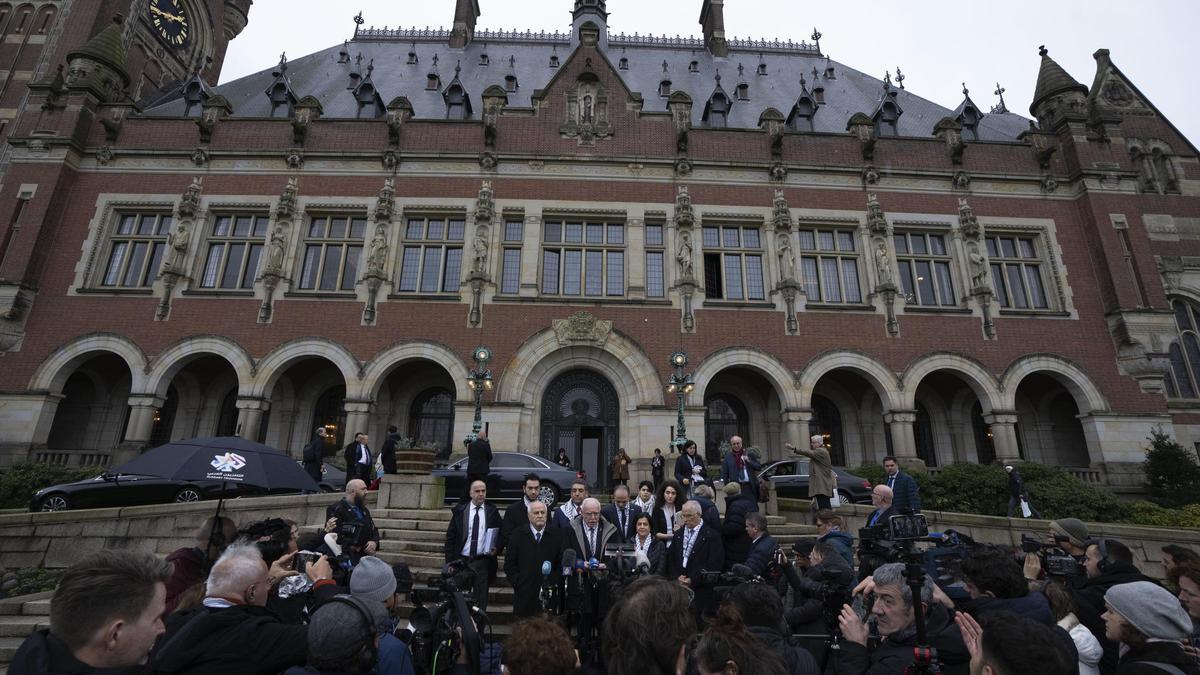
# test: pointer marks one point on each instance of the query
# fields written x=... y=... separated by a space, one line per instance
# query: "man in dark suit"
x=741 y=467
x=904 y=487
x=387 y=454
x=591 y=532
x=695 y=549
x=531 y=545
x=570 y=509
x=762 y=544
x=516 y=516
x=881 y=499
x=313 y=452
x=479 y=460
x=473 y=537
x=359 y=460
x=622 y=514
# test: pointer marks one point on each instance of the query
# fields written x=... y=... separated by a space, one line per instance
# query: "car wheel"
x=845 y=497
x=187 y=495
x=548 y=495
x=56 y=502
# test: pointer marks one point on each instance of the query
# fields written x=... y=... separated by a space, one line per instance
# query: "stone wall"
x=56 y=540
x=1146 y=542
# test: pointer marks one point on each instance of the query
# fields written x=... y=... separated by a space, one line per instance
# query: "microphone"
x=568 y=561
x=547 y=593
x=546 y=567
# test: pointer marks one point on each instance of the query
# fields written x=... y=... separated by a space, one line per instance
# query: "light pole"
x=680 y=384
x=479 y=379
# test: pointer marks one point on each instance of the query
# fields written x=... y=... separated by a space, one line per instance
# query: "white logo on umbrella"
x=229 y=462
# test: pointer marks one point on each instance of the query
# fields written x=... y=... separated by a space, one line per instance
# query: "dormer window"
x=623 y=64
x=412 y=58
x=717 y=111
x=510 y=83
x=484 y=59
x=743 y=92
x=370 y=105
x=694 y=67
x=554 y=61
x=887 y=119
x=458 y=105
x=281 y=101
x=762 y=68
x=193 y=98
x=433 y=82
x=970 y=123
x=664 y=88
x=819 y=95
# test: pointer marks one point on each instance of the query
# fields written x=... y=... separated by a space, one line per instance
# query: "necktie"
x=538 y=536
x=891 y=481
x=590 y=542
x=622 y=519
x=475 y=533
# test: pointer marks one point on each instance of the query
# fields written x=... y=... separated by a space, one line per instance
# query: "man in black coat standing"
x=622 y=514
x=360 y=462
x=473 y=537
x=516 y=516
x=479 y=460
x=387 y=454
x=695 y=549
x=313 y=452
x=905 y=492
x=738 y=505
x=532 y=545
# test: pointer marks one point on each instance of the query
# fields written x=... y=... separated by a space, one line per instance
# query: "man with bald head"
x=233 y=631
x=695 y=549
x=529 y=548
x=473 y=538
x=356 y=531
x=881 y=499
x=741 y=467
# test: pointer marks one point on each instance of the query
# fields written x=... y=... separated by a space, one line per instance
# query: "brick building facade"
x=325 y=242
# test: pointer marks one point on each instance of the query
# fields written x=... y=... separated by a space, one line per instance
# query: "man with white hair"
x=695 y=549
x=881 y=499
x=233 y=631
x=592 y=532
x=820 y=470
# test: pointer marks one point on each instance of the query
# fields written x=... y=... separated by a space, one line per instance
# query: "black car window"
x=514 y=462
x=784 y=469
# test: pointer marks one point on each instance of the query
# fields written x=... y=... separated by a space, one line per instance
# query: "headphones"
x=1105 y=564
x=367 y=656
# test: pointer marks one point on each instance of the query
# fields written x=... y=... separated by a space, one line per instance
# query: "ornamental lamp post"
x=680 y=384
x=479 y=379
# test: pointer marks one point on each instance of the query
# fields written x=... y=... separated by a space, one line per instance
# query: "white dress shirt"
x=470 y=514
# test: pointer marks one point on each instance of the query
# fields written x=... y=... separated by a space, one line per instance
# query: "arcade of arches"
x=101 y=405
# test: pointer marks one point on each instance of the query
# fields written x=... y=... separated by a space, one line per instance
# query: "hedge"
x=19 y=481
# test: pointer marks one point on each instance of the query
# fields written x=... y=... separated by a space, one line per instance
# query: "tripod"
x=924 y=656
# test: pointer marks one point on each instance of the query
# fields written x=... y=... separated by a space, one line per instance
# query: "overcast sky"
x=938 y=45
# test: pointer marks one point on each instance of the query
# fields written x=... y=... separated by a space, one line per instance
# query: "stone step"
x=8 y=648
x=412 y=514
x=22 y=626
x=40 y=607
x=12 y=606
x=405 y=546
x=413 y=535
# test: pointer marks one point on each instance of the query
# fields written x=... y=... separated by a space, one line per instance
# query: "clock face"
x=170 y=20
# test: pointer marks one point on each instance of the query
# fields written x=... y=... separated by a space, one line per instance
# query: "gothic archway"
x=827 y=421
x=724 y=416
x=580 y=412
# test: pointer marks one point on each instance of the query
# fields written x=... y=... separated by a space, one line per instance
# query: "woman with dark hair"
x=563 y=460
x=645 y=543
x=644 y=499
x=665 y=518
x=727 y=648
x=689 y=468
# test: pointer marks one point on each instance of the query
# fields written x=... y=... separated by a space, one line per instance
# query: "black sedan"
x=790 y=479
x=109 y=490
x=507 y=477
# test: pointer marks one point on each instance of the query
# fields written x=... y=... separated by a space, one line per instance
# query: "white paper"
x=489 y=539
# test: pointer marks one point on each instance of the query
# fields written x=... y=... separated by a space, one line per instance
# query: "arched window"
x=664 y=88
x=431 y=418
x=330 y=412
x=724 y=416
x=1183 y=381
x=985 y=450
x=743 y=92
x=923 y=436
x=827 y=421
x=228 y=417
x=164 y=419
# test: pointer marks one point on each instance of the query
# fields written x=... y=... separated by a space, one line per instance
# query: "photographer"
x=191 y=563
x=819 y=575
x=1068 y=534
x=762 y=611
x=895 y=620
x=994 y=583
x=1108 y=563
x=374 y=584
x=357 y=534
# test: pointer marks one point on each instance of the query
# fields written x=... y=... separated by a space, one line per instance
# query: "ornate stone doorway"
x=580 y=412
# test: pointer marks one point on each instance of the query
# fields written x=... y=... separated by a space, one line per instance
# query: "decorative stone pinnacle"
x=1042 y=51
x=358 y=19
x=966 y=92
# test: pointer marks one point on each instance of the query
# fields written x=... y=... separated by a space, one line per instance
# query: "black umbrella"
x=229 y=459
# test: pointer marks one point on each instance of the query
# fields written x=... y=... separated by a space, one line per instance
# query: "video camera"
x=448 y=625
x=1055 y=561
x=351 y=533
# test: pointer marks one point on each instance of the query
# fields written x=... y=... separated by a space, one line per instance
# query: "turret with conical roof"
x=1058 y=96
x=99 y=65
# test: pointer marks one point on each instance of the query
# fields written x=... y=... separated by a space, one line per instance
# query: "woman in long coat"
x=620 y=468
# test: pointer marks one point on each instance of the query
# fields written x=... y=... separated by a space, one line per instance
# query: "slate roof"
x=850 y=91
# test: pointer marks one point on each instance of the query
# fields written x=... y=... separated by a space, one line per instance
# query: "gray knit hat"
x=336 y=632
x=1151 y=609
x=372 y=580
x=1071 y=528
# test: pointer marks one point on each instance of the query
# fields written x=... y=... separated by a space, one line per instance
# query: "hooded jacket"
x=1137 y=661
x=1087 y=594
x=44 y=654
x=1086 y=645
x=895 y=652
x=843 y=542
x=238 y=640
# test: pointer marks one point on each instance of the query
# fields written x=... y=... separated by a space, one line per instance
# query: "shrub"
x=1149 y=513
x=27 y=580
x=1172 y=475
x=20 y=481
x=968 y=488
x=1058 y=494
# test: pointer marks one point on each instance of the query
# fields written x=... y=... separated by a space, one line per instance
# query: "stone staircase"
x=415 y=537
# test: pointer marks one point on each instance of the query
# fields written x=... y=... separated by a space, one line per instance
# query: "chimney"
x=712 y=20
x=465 y=14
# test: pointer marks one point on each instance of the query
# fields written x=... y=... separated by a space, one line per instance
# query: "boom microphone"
x=568 y=561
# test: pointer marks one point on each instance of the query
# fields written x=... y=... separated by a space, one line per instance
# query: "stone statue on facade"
x=979 y=266
x=684 y=257
x=787 y=257
x=177 y=246
x=883 y=264
x=685 y=216
x=479 y=247
x=379 y=252
x=191 y=197
x=287 y=200
x=276 y=251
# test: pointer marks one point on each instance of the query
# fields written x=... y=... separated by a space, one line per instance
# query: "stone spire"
x=1052 y=81
x=99 y=64
x=463 y=31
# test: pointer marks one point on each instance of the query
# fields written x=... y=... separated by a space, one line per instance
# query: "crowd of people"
x=711 y=591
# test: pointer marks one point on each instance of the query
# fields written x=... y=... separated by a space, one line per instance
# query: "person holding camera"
x=994 y=583
x=762 y=611
x=895 y=619
x=818 y=573
x=356 y=532
x=472 y=537
x=1070 y=535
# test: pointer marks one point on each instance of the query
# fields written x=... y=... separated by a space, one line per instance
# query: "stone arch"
x=982 y=382
x=1087 y=395
x=172 y=359
x=273 y=365
x=54 y=371
x=376 y=370
x=542 y=357
x=780 y=377
x=885 y=382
